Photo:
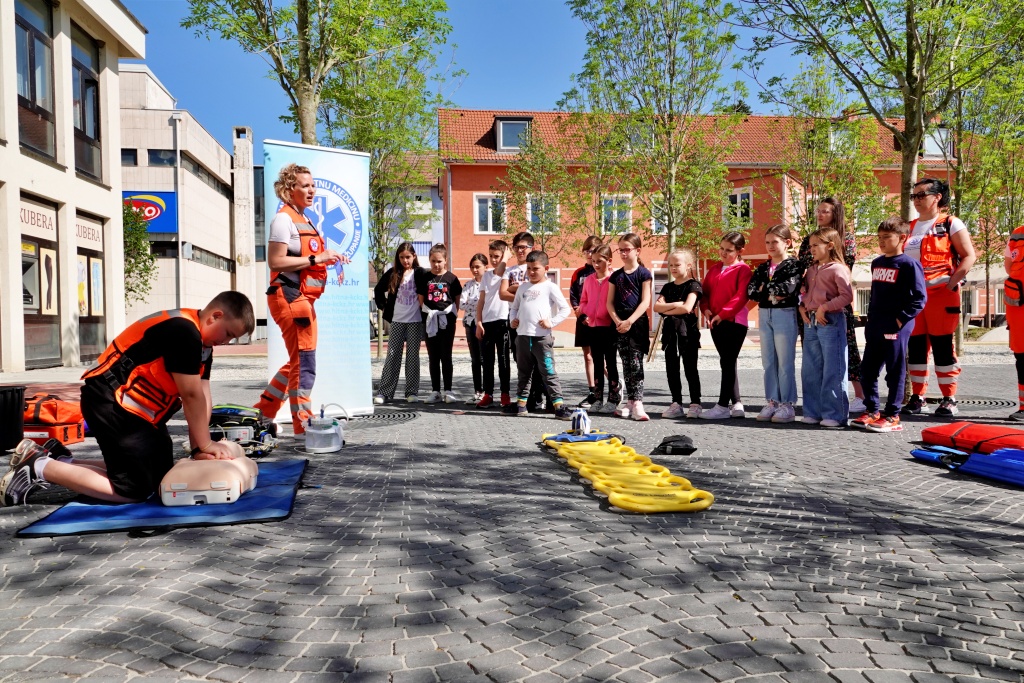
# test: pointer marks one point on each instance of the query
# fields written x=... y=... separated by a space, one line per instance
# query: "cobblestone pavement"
x=444 y=545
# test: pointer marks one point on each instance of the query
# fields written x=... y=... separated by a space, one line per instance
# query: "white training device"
x=208 y=482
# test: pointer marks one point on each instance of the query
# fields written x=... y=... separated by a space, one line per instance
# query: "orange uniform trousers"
x=294 y=380
x=933 y=330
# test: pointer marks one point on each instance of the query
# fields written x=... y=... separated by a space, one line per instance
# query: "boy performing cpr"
x=897 y=296
x=157 y=365
x=531 y=316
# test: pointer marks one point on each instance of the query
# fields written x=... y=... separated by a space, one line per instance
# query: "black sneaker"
x=511 y=409
x=947 y=407
x=589 y=401
x=19 y=482
x=563 y=413
x=915 y=406
x=1017 y=417
x=58 y=451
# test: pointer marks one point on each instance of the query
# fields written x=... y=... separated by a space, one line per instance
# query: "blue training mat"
x=1005 y=464
x=271 y=500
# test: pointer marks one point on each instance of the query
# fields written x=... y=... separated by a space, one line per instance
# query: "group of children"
x=512 y=309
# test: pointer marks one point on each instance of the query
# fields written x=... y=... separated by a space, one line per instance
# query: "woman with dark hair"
x=395 y=294
x=298 y=260
x=830 y=213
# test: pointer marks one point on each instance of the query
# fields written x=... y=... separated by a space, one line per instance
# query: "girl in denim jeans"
x=775 y=287
x=826 y=292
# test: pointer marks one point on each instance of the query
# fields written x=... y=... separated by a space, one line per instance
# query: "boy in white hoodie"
x=531 y=316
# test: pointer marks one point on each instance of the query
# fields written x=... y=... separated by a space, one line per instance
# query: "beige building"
x=197 y=196
x=61 y=252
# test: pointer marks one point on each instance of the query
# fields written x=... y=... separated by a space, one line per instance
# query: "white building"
x=61 y=251
x=197 y=196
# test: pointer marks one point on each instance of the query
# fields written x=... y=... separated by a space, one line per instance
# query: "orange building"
x=476 y=147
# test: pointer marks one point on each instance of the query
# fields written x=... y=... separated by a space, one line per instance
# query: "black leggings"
x=439 y=351
x=475 y=356
x=686 y=348
x=728 y=337
x=602 y=347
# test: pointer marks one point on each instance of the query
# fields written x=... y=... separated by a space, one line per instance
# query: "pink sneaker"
x=638 y=412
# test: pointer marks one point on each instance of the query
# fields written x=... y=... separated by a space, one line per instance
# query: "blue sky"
x=518 y=54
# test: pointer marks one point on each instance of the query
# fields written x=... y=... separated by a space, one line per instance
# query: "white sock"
x=39 y=465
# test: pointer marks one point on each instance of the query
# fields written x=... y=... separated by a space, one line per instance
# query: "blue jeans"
x=778 y=353
x=824 y=369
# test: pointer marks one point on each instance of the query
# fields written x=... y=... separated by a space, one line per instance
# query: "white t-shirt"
x=283 y=230
x=468 y=300
x=407 y=304
x=494 y=307
x=923 y=229
x=515 y=275
x=536 y=302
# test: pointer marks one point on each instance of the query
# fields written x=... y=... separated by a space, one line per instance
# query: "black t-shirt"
x=673 y=293
x=438 y=291
x=629 y=290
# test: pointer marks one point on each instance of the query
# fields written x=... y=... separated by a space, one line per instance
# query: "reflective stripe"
x=129 y=402
x=275 y=392
x=947 y=368
x=1017 y=237
x=918 y=368
x=947 y=380
x=280 y=379
x=937 y=281
x=293 y=393
x=313 y=282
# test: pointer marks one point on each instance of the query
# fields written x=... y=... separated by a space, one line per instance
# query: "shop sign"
x=38 y=220
x=88 y=233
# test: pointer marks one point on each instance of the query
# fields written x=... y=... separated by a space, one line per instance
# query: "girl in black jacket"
x=395 y=294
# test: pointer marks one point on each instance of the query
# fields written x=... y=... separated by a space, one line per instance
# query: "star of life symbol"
x=337 y=217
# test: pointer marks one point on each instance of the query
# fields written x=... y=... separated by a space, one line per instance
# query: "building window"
x=85 y=85
x=863 y=301
x=490 y=214
x=197 y=169
x=1000 y=301
x=937 y=144
x=617 y=214
x=34 y=49
x=191 y=252
x=162 y=157
x=741 y=204
x=260 y=212
x=542 y=214
x=512 y=135
x=129 y=157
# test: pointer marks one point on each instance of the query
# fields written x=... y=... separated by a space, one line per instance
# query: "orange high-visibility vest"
x=147 y=390
x=312 y=279
x=1013 y=287
x=938 y=255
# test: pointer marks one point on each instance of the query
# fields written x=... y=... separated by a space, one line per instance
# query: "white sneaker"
x=785 y=413
x=412 y=398
x=674 y=410
x=857 y=405
x=737 y=410
x=625 y=411
x=433 y=397
x=807 y=420
x=694 y=411
x=610 y=407
x=476 y=399
x=768 y=411
x=830 y=424
x=718 y=412
x=450 y=397
x=639 y=414
x=378 y=400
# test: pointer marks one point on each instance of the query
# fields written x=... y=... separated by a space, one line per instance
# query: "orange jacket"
x=1013 y=288
x=312 y=279
x=938 y=255
x=148 y=390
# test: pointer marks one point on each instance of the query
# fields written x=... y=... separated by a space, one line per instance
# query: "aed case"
x=72 y=432
x=207 y=482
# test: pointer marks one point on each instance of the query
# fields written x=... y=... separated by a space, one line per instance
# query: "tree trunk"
x=908 y=176
x=307 y=113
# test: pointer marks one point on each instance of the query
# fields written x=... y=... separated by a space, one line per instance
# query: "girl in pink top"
x=725 y=307
x=594 y=314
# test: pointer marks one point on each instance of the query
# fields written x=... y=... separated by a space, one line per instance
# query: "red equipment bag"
x=47 y=409
x=974 y=438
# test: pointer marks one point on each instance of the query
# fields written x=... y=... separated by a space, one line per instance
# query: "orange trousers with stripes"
x=1015 y=325
x=933 y=331
x=294 y=380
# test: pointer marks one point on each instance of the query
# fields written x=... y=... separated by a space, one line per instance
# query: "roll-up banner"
x=340 y=213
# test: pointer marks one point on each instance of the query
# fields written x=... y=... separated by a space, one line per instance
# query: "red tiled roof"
x=467 y=135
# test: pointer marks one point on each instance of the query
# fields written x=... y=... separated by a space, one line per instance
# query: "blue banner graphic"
x=160 y=209
x=340 y=213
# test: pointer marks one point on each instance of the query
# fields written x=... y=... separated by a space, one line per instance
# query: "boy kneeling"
x=157 y=365
x=897 y=296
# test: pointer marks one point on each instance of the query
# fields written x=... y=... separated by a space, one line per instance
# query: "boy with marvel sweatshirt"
x=897 y=296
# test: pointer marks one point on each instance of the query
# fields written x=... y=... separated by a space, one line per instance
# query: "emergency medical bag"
x=245 y=426
x=47 y=409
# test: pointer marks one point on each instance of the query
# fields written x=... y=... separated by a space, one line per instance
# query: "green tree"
x=909 y=56
x=305 y=42
x=655 y=66
x=385 y=105
x=139 y=261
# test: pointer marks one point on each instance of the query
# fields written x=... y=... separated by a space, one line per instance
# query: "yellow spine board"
x=630 y=480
